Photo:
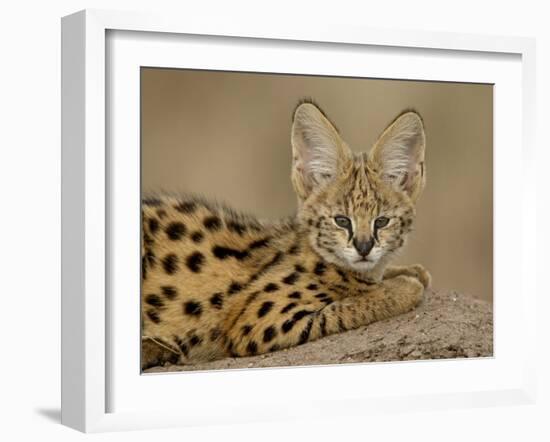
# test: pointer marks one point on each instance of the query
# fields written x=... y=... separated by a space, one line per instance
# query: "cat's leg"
x=391 y=298
x=308 y=321
x=415 y=270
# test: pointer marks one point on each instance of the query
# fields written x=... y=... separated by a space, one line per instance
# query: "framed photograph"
x=278 y=222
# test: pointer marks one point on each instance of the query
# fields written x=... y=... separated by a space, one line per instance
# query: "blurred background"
x=226 y=135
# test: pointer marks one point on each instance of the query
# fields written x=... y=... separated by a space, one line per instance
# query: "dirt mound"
x=445 y=325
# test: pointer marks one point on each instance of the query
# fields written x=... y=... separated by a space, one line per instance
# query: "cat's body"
x=216 y=283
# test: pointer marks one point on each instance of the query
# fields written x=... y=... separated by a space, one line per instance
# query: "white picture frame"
x=93 y=365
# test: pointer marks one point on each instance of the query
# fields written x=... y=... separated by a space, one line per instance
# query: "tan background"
x=227 y=135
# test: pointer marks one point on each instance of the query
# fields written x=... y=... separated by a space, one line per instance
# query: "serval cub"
x=216 y=283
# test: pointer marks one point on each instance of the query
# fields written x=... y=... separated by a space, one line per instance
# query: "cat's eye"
x=342 y=221
x=381 y=221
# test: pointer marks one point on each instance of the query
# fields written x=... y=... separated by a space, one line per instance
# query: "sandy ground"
x=445 y=325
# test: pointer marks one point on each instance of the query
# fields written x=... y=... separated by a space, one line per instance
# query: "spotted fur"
x=216 y=283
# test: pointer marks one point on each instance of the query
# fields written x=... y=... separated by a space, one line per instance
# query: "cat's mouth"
x=357 y=262
x=363 y=264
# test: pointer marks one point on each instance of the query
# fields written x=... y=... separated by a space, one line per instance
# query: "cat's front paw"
x=416 y=271
x=406 y=290
x=420 y=273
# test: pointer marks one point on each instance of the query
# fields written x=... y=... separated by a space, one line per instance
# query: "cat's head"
x=357 y=209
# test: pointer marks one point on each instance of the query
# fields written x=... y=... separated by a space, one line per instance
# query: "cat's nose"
x=363 y=247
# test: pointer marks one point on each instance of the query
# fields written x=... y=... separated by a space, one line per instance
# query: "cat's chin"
x=362 y=266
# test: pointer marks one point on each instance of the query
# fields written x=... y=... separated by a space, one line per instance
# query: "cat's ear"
x=318 y=152
x=398 y=155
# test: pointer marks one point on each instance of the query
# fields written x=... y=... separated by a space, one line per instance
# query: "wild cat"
x=217 y=283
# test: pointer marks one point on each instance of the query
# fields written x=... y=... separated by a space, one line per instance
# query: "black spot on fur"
x=323 y=325
x=175 y=231
x=269 y=333
x=274 y=348
x=341 y=327
x=277 y=258
x=342 y=275
x=154 y=300
x=259 y=244
x=153 y=202
x=246 y=329
x=265 y=308
x=170 y=263
x=182 y=346
x=300 y=314
x=294 y=249
x=273 y=262
x=221 y=252
x=321 y=295
x=184 y=349
x=150 y=256
x=186 y=207
x=343 y=289
x=320 y=268
x=299 y=268
x=195 y=340
x=271 y=287
x=287 y=325
x=169 y=291
x=212 y=223
x=193 y=308
x=161 y=213
x=295 y=295
x=253 y=278
x=215 y=333
x=288 y=307
x=153 y=316
x=292 y=278
x=195 y=262
x=217 y=300
x=251 y=298
x=153 y=225
x=147 y=239
x=304 y=336
x=197 y=237
x=252 y=348
x=312 y=287
x=230 y=348
x=236 y=227
x=235 y=287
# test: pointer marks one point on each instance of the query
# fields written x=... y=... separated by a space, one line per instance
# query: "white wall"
x=30 y=182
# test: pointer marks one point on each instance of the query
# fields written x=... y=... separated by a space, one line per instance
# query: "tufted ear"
x=398 y=155
x=318 y=152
